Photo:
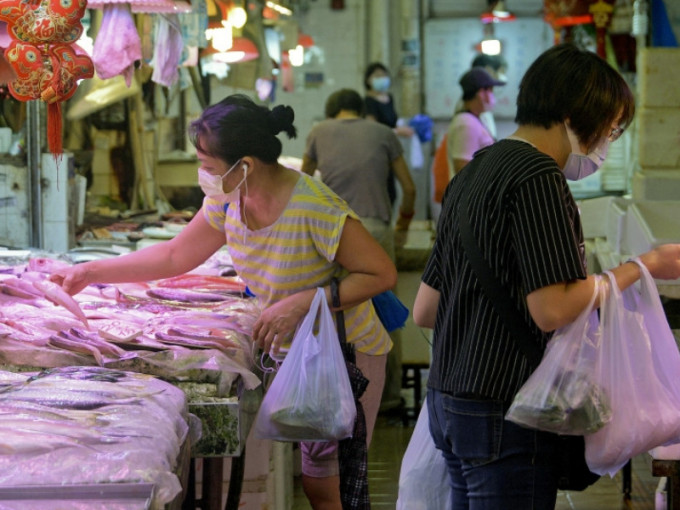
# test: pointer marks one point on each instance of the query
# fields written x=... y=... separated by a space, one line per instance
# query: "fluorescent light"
x=279 y=8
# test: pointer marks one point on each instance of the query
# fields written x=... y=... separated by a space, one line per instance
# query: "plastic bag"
x=638 y=370
x=310 y=398
x=423 y=479
x=560 y=395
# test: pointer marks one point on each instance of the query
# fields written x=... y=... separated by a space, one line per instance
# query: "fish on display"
x=59 y=296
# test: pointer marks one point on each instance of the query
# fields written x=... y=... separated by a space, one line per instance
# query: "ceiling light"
x=242 y=50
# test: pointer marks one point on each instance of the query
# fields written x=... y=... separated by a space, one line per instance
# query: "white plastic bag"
x=310 y=398
x=639 y=371
x=560 y=395
x=423 y=479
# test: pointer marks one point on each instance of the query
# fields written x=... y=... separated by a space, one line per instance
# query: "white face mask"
x=579 y=165
x=380 y=83
x=211 y=184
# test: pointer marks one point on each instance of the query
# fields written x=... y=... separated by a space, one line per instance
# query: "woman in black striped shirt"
x=571 y=104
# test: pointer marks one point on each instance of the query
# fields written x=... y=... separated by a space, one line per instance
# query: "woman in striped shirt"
x=287 y=234
x=571 y=104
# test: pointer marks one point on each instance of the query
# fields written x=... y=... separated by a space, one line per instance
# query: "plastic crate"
x=650 y=224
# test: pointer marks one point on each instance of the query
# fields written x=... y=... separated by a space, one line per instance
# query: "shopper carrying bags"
x=571 y=105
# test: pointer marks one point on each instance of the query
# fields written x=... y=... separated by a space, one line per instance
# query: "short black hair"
x=569 y=83
x=370 y=69
x=344 y=99
x=495 y=62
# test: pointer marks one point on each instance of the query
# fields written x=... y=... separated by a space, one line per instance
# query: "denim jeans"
x=493 y=464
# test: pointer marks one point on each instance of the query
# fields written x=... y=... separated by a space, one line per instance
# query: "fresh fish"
x=59 y=296
x=20 y=288
x=187 y=342
x=101 y=344
x=72 y=399
x=207 y=282
x=185 y=296
x=46 y=265
x=75 y=346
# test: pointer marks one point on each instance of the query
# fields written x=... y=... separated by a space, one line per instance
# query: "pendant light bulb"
x=238 y=17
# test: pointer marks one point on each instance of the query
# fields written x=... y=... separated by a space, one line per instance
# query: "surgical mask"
x=380 y=83
x=579 y=165
x=491 y=101
x=211 y=184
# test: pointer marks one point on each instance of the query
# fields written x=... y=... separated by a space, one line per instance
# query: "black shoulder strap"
x=340 y=315
x=500 y=299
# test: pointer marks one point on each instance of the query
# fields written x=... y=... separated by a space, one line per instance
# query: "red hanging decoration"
x=42 y=55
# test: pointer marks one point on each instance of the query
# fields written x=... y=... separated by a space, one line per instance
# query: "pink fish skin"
x=59 y=296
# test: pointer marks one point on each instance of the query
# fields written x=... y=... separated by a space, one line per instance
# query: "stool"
x=411 y=377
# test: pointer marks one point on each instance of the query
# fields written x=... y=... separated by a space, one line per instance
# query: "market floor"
x=391 y=438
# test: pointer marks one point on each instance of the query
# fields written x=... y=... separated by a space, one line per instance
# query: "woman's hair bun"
x=281 y=119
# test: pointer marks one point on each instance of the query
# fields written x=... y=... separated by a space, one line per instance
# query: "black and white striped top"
x=528 y=228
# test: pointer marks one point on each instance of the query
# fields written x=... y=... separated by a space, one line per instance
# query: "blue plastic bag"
x=422 y=124
x=391 y=312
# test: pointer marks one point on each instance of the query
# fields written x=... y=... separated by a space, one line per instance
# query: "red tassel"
x=54 y=135
x=54 y=125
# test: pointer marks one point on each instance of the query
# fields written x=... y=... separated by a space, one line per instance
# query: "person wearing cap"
x=496 y=66
x=467 y=133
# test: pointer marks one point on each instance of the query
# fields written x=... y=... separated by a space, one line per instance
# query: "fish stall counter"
x=192 y=331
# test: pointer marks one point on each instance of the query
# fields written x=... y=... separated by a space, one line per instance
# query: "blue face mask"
x=380 y=83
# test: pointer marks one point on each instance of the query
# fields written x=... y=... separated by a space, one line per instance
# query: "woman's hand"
x=72 y=279
x=663 y=262
x=278 y=322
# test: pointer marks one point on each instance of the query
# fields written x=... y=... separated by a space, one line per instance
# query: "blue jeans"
x=493 y=463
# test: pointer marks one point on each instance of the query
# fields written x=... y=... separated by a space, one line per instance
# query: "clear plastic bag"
x=423 y=479
x=560 y=395
x=639 y=371
x=310 y=398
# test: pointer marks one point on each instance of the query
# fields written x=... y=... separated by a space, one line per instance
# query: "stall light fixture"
x=221 y=37
x=242 y=50
x=497 y=13
x=279 y=8
x=237 y=16
x=305 y=40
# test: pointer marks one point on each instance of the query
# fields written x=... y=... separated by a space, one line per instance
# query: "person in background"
x=355 y=156
x=571 y=105
x=287 y=234
x=496 y=66
x=379 y=103
x=466 y=134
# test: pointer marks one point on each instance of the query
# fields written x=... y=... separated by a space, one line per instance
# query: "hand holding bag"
x=310 y=398
x=560 y=395
x=639 y=371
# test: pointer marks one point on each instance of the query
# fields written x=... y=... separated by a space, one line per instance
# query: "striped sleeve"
x=214 y=212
